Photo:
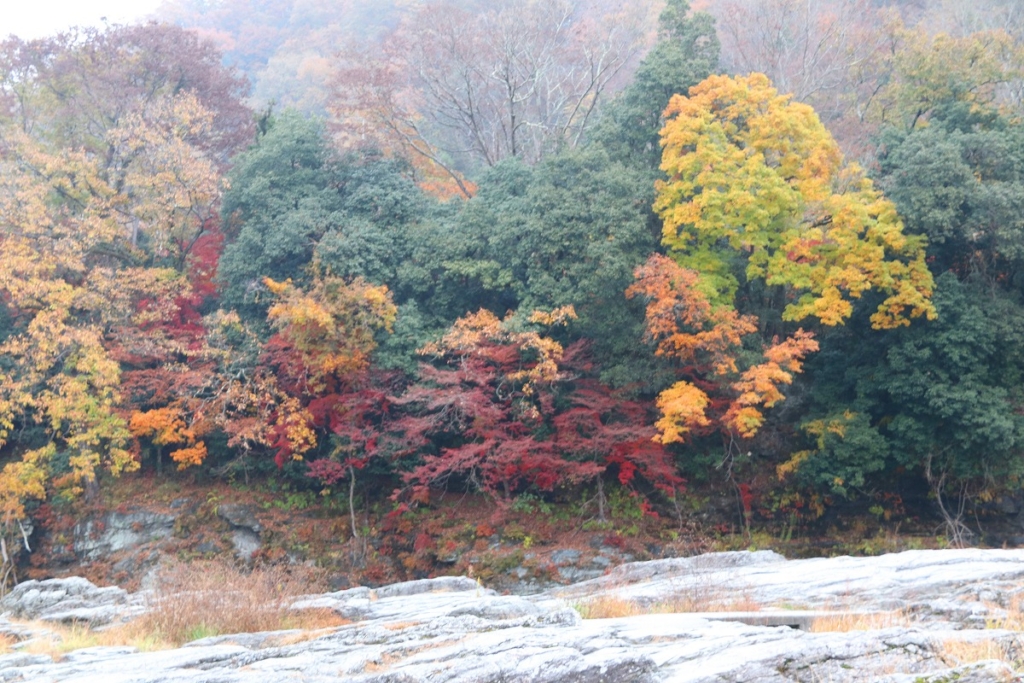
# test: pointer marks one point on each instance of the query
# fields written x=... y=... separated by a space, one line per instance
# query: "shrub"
x=208 y=598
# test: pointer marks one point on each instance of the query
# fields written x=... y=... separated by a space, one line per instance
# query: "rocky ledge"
x=943 y=604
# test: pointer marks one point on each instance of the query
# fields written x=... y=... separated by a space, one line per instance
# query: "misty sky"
x=36 y=18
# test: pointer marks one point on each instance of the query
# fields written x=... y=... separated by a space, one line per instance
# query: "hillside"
x=408 y=289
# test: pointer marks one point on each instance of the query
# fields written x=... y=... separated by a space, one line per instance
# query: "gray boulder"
x=240 y=517
x=70 y=600
x=117 y=531
x=245 y=528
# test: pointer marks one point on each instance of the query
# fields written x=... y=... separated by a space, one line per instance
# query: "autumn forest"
x=530 y=250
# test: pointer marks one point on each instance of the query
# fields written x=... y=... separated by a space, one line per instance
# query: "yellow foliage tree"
x=757 y=190
x=922 y=70
x=55 y=289
x=19 y=481
x=332 y=324
x=71 y=282
x=756 y=177
x=168 y=189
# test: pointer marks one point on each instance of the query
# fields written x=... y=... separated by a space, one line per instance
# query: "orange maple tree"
x=705 y=340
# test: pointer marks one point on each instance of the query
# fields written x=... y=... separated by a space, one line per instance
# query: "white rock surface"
x=72 y=600
x=451 y=630
x=959 y=587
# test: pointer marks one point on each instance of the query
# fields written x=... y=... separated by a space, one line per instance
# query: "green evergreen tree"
x=686 y=53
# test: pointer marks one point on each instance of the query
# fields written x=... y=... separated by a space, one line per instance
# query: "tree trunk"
x=351 y=500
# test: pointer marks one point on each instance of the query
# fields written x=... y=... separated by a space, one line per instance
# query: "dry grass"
x=308 y=633
x=611 y=607
x=6 y=643
x=319 y=619
x=952 y=652
x=56 y=640
x=699 y=592
x=853 y=621
x=401 y=625
x=1014 y=619
x=960 y=652
x=204 y=599
x=198 y=600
